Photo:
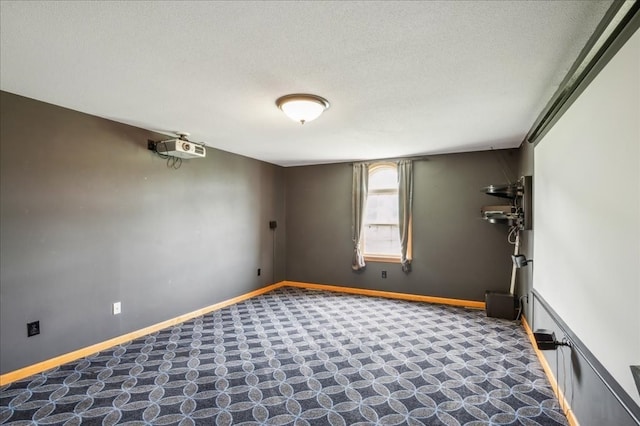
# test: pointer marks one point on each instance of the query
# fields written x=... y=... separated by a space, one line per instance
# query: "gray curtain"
x=405 y=199
x=359 y=190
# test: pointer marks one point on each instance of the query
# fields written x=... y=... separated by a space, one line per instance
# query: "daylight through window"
x=381 y=232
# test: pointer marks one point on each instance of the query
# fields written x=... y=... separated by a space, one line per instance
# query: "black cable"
x=273 y=268
x=567 y=342
x=571 y=375
x=562 y=390
x=558 y=382
x=564 y=380
x=172 y=162
x=165 y=149
x=520 y=307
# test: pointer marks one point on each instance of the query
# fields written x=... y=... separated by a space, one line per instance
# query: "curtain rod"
x=381 y=160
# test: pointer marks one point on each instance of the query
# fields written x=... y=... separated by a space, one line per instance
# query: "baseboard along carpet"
x=302 y=357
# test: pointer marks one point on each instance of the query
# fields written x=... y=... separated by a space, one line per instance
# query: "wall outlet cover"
x=33 y=328
x=117 y=308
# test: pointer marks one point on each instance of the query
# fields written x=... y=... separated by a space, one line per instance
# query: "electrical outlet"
x=33 y=328
x=384 y=274
x=117 y=308
x=259 y=271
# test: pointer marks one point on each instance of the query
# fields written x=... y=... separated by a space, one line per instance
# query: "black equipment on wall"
x=518 y=211
x=546 y=340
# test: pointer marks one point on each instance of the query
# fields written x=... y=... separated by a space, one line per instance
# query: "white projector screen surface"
x=587 y=216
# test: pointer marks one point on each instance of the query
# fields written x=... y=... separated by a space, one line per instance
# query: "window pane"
x=382 y=239
x=382 y=209
x=383 y=178
x=381 y=213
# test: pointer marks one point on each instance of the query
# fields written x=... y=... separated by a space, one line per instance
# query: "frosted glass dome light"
x=301 y=107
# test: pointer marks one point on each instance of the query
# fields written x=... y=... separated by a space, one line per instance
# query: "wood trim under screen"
x=42 y=366
x=566 y=408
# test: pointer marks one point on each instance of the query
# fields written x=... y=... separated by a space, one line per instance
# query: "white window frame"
x=380 y=257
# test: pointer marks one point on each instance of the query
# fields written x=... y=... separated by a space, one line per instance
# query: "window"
x=381 y=237
x=381 y=218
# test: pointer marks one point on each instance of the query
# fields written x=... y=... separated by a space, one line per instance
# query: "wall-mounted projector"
x=180 y=148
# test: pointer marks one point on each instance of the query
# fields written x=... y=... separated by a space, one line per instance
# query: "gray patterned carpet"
x=302 y=357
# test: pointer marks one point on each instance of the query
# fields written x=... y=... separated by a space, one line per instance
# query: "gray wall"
x=89 y=217
x=524 y=276
x=591 y=400
x=455 y=253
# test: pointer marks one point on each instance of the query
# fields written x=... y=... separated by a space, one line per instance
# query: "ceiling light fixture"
x=302 y=107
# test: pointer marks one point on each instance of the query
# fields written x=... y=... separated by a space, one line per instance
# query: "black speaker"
x=273 y=224
x=500 y=305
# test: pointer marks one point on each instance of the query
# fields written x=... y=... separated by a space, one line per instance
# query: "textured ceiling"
x=403 y=78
